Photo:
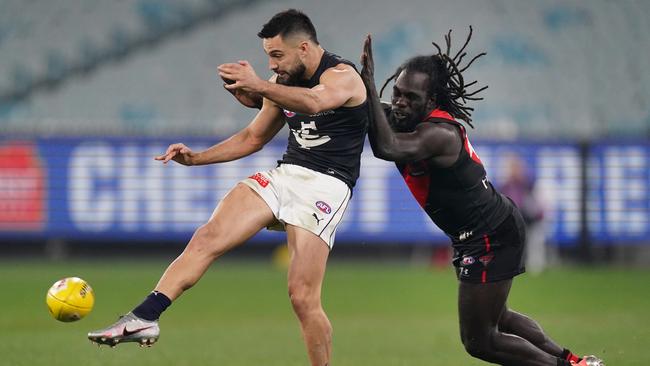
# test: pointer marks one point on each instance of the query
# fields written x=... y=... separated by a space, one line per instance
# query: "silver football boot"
x=129 y=328
x=590 y=361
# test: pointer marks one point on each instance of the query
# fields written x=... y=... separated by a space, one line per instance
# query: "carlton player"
x=419 y=132
x=323 y=100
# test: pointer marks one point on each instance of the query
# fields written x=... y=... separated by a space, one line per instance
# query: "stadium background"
x=90 y=91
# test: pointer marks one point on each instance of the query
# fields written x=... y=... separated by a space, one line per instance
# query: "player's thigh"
x=239 y=216
x=480 y=306
x=309 y=255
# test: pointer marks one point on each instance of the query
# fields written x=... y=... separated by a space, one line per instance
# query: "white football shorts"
x=304 y=198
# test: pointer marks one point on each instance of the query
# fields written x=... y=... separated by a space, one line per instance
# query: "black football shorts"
x=493 y=257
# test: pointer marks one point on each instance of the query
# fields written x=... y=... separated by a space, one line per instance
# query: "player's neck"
x=312 y=62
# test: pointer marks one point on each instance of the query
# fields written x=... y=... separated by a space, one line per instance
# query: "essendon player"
x=420 y=133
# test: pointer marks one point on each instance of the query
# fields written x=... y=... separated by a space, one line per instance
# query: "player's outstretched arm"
x=266 y=124
x=338 y=86
x=423 y=143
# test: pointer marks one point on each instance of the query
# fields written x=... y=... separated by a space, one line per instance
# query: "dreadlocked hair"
x=446 y=81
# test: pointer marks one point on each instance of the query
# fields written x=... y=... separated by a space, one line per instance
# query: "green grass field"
x=239 y=314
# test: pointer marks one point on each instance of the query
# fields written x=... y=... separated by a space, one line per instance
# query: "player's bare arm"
x=426 y=142
x=339 y=86
x=266 y=124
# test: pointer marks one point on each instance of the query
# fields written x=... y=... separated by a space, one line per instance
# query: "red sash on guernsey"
x=419 y=183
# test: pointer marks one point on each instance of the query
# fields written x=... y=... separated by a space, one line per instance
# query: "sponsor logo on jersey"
x=324 y=113
x=467 y=261
x=486 y=259
x=324 y=207
x=259 y=178
x=289 y=113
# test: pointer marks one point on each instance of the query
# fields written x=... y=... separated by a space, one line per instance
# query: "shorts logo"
x=318 y=219
x=289 y=113
x=259 y=178
x=467 y=261
x=465 y=235
x=486 y=259
x=324 y=207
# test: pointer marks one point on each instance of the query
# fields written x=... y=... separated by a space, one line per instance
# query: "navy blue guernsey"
x=459 y=199
x=328 y=142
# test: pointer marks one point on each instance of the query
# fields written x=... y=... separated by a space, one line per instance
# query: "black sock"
x=152 y=306
x=563 y=362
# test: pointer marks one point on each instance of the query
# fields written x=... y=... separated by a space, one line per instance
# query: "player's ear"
x=304 y=47
x=431 y=103
x=303 y=50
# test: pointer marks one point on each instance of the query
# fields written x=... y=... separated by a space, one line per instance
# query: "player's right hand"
x=367 y=62
x=179 y=153
x=248 y=99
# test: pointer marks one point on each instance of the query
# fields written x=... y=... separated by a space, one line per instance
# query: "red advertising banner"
x=22 y=188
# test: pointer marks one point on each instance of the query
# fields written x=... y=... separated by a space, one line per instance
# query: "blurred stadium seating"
x=555 y=69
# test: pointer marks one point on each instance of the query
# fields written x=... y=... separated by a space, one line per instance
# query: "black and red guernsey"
x=459 y=199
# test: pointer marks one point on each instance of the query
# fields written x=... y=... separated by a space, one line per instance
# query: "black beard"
x=295 y=76
x=404 y=125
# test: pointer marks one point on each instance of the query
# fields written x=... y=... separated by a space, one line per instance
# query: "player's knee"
x=478 y=346
x=207 y=241
x=303 y=300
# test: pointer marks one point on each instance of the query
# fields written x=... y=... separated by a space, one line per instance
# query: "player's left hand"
x=368 y=63
x=243 y=75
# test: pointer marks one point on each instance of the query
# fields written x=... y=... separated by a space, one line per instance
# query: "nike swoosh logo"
x=127 y=332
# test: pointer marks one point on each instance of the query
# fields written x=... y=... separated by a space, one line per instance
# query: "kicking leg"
x=240 y=215
x=306 y=272
x=480 y=308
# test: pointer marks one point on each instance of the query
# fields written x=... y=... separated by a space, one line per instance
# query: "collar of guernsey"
x=439 y=113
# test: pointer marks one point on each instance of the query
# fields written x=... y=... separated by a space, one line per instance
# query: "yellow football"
x=70 y=299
